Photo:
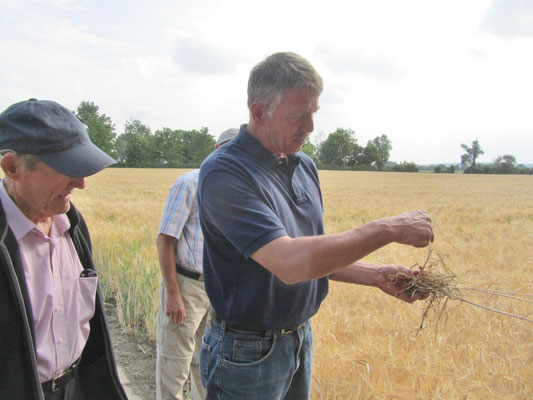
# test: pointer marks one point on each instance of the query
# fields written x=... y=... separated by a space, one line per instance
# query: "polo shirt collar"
x=258 y=152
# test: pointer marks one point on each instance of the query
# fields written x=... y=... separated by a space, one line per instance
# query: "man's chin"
x=61 y=208
x=296 y=148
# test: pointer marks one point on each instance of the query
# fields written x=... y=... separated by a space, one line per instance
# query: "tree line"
x=138 y=146
x=504 y=164
x=341 y=151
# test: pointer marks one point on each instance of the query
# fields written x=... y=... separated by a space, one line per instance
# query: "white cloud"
x=423 y=73
x=202 y=59
x=346 y=61
x=509 y=19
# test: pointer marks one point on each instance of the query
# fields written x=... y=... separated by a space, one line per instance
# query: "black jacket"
x=18 y=366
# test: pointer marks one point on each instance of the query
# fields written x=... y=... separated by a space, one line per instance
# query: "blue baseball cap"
x=54 y=135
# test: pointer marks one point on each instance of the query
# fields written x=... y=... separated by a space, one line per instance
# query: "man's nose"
x=78 y=183
x=308 y=125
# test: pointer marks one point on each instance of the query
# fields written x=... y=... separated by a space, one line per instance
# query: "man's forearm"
x=305 y=258
x=381 y=277
x=301 y=259
x=359 y=273
x=167 y=262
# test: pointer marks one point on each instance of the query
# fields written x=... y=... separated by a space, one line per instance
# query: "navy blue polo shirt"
x=248 y=197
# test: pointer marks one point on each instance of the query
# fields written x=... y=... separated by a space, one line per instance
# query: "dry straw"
x=436 y=281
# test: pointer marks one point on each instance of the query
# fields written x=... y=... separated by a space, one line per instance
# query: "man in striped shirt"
x=184 y=303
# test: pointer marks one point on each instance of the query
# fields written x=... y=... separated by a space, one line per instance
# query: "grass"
x=366 y=343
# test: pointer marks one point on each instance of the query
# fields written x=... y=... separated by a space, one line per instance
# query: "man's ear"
x=259 y=114
x=11 y=164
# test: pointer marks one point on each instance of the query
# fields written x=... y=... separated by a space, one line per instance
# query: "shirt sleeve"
x=233 y=207
x=177 y=208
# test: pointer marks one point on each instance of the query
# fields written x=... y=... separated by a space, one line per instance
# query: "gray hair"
x=29 y=161
x=278 y=72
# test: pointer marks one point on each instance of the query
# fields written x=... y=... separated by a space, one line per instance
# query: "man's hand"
x=175 y=309
x=396 y=288
x=412 y=228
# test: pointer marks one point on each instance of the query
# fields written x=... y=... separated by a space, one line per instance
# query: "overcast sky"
x=429 y=74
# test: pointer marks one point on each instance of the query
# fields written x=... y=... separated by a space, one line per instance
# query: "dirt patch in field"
x=135 y=355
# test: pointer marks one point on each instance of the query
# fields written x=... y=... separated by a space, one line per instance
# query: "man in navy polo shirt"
x=266 y=259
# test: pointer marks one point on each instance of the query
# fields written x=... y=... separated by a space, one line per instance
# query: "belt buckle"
x=57 y=377
x=292 y=330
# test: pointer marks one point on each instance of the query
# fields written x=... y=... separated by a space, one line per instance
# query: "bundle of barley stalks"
x=436 y=281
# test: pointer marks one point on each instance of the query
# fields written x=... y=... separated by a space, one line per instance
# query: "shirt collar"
x=257 y=151
x=20 y=224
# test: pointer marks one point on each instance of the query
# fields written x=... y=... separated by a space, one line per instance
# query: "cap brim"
x=79 y=162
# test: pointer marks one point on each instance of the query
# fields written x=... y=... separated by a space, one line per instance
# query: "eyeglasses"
x=88 y=273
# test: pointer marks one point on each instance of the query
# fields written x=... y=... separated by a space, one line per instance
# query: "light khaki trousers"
x=178 y=346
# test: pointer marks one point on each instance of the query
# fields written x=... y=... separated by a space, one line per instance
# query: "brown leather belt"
x=189 y=274
x=62 y=379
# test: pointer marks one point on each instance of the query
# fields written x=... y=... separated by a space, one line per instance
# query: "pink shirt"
x=62 y=302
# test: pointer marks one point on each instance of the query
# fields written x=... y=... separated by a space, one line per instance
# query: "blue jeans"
x=238 y=364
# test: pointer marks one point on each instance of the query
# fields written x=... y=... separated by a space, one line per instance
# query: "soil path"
x=135 y=357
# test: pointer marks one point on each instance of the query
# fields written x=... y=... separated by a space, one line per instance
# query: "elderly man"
x=54 y=342
x=183 y=302
x=267 y=261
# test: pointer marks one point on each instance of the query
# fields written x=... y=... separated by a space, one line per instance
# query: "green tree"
x=384 y=146
x=405 y=167
x=358 y=153
x=309 y=148
x=134 y=156
x=369 y=156
x=338 y=148
x=201 y=144
x=136 y=151
x=121 y=145
x=133 y=126
x=505 y=164
x=169 y=147
x=153 y=153
x=99 y=127
x=472 y=153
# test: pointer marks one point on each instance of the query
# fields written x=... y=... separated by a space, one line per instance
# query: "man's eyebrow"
x=299 y=114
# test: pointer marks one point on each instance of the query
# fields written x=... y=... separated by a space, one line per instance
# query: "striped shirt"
x=180 y=220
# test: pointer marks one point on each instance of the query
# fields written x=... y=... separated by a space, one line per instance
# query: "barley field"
x=366 y=343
